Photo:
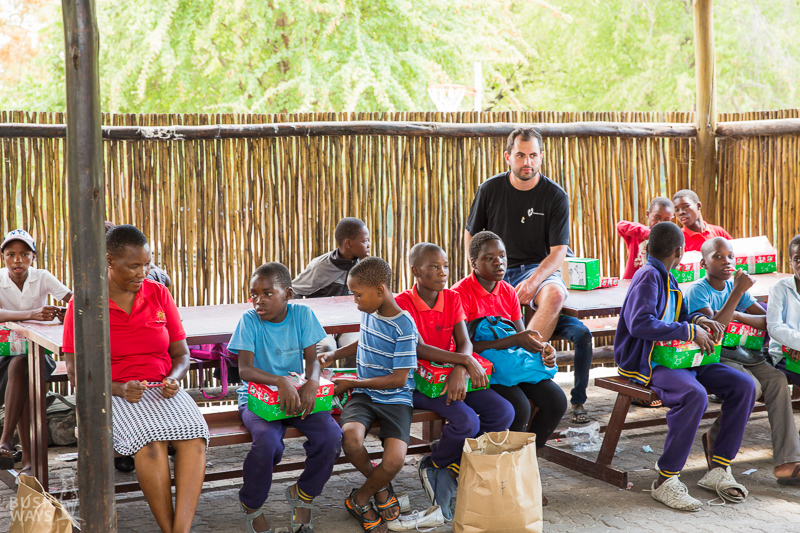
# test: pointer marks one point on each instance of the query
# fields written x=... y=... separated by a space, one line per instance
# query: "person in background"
x=696 y=231
x=635 y=234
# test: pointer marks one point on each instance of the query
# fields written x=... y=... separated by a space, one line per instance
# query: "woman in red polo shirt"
x=149 y=355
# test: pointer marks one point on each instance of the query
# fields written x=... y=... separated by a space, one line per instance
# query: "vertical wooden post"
x=86 y=194
x=705 y=163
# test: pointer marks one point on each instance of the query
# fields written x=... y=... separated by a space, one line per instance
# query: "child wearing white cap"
x=23 y=293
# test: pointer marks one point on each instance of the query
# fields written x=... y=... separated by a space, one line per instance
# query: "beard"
x=523 y=177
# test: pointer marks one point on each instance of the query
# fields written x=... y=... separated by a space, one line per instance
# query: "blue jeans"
x=567 y=327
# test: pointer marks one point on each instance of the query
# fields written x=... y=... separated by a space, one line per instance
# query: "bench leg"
x=614 y=429
x=432 y=430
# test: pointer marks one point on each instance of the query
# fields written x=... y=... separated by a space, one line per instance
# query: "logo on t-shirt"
x=161 y=316
x=531 y=212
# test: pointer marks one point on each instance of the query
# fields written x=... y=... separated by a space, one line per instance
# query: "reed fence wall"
x=215 y=209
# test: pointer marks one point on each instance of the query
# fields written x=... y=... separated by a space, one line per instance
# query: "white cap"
x=19 y=235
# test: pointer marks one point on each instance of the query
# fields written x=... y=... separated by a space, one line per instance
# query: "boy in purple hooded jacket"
x=653 y=311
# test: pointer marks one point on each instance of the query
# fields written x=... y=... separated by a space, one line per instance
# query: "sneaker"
x=439 y=485
x=431 y=518
x=673 y=493
x=720 y=480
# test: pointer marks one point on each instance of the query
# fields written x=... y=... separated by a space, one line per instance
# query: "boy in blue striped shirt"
x=387 y=355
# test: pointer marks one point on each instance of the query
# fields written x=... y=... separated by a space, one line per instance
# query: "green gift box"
x=791 y=365
x=12 y=343
x=738 y=334
x=581 y=273
x=689 y=268
x=429 y=377
x=264 y=401
x=757 y=264
x=682 y=354
x=335 y=373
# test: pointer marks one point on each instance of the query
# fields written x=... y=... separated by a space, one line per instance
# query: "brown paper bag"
x=35 y=511
x=499 y=488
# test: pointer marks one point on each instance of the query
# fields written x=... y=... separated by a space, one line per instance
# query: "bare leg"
x=353 y=448
x=548 y=302
x=16 y=405
x=152 y=471
x=190 y=470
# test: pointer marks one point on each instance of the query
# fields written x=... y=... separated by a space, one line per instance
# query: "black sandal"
x=391 y=501
x=7 y=459
x=645 y=403
x=579 y=416
x=357 y=512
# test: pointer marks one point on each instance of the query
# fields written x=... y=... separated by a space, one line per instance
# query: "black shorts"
x=395 y=419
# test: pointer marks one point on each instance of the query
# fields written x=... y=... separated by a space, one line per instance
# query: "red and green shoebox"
x=754 y=255
x=429 y=377
x=12 y=343
x=337 y=373
x=682 y=354
x=738 y=334
x=791 y=364
x=608 y=282
x=581 y=273
x=689 y=268
x=263 y=400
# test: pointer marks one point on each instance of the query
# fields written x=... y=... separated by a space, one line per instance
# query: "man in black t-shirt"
x=530 y=213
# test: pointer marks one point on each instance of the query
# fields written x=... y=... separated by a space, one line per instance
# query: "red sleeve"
x=722 y=233
x=512 y=302
x=632 y=230
x=68 y=337
x=174 y=324
x=458 y=312
x=404 y=302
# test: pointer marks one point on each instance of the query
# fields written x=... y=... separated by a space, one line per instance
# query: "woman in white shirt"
x=23 y=292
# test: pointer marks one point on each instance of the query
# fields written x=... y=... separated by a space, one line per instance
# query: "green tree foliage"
x=278 y=55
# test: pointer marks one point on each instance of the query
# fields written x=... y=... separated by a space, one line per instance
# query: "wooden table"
x=608 y=302
x=203 y=325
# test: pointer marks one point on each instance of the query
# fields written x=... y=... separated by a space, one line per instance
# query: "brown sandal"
x=794 y=479
x=708 y=449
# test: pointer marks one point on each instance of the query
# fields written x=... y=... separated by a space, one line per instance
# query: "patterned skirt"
x=155 y=418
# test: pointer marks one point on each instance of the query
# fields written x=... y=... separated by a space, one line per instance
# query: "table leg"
x=37 y=392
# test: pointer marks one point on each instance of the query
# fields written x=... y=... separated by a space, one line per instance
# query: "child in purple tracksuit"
x=653 y=311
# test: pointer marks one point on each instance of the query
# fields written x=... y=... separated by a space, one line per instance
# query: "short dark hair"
x=686 y=193
x=478 y=240
x=348 y=228
x=109 y=225
x=527 y=134
x=661 y=201
x=665 y=238
x=420 y=250
x=710 y=245
x=372 y=272
x=122 y=236
x=794 y=243
x=278 y=272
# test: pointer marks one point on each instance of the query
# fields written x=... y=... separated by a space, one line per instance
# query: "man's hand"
x=530 y=340
x=717 y=330
x=526 y=290
x=794 y=355
x=325 y=359
x=455 y=386
x=290 y=399
x=342 y=385
x=170 y=388
x=742 y=281
x=45 y=313
x=705 y=341
x=308 y=395
x=549 y=355
x=477 y=374
x=132 y=391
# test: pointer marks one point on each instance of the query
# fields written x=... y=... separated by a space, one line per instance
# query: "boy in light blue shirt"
x=272 y=340
x=723 y=296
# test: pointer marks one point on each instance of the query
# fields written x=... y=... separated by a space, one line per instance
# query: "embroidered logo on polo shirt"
x=160 y=315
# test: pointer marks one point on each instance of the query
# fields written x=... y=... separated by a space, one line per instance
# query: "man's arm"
x=467 y=240
x=551 y=263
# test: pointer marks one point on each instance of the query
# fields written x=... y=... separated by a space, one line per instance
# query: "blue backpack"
x=512 y=366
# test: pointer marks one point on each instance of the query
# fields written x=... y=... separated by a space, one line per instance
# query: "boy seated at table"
x=653 y=310
x=326 y=275
x=273 y=339
x=635 y=234
x=386 y=353
x=783 y=316
x=696 y=231
x=484 y=294
x=443 y=334
x=23 y=294
x=722 y=295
